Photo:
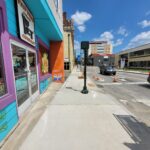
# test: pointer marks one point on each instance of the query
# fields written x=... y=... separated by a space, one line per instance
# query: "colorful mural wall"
x=25 y=69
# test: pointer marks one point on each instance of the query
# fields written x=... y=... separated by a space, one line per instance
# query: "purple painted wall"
x=10 y=96
x=6 y=37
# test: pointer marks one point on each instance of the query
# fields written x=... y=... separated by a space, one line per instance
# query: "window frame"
x=2 y=66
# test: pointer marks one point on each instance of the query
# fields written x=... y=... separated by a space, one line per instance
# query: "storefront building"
x=134 y=58
x=31 y=55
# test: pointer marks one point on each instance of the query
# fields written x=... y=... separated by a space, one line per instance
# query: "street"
x=131 y=90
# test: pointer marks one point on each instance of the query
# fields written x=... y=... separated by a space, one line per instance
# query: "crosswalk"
x=123 y=83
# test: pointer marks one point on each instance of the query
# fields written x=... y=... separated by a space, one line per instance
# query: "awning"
x=44 y=19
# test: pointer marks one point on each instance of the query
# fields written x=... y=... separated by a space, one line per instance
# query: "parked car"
x=107 y=70
x=148 y=79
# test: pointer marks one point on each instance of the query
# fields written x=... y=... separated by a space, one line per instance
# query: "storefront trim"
x=9 y=97
x=16 y=39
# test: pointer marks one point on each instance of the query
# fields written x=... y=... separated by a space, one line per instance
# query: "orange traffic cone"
x=115 y=79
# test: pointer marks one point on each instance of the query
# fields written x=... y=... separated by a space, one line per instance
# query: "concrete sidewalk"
x=73 y=121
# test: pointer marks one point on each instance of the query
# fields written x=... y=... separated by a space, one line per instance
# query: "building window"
x=3 y=89
x=67 y=66
x=56 y=4
x=44 y=61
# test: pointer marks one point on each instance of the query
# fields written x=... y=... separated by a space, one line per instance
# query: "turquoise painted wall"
x=12 y=23
x=8 y=119
x=44 y=84
x=11 y=19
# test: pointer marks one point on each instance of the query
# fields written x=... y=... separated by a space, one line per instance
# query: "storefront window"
x=67 y=66
x=56 y=4
x=2 y=74
x=44 y=62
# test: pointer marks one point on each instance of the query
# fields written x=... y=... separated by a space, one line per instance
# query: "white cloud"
x=123 y=31
x=80 y=18
x=82 y=28
x=109 y=37
x=147 y=13
x=140 y=39
x=76 y=45
x=144 y=23
x=118 y=42
x=106 y=36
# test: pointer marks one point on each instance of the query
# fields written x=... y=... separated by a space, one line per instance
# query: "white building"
x=100 y=47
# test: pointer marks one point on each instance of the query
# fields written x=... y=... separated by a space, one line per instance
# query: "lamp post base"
x=84 y=91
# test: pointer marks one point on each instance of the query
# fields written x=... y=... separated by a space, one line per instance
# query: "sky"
x=123 y=23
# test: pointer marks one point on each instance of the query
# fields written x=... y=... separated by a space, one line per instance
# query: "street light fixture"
x=85 y=47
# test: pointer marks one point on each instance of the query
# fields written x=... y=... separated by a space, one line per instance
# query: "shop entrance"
x=25 y=72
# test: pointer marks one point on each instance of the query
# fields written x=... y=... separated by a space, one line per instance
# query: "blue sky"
x=124 y=23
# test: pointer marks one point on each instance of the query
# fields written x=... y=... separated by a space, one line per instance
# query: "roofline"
x=102 y=55
x=98 y=42
x=141 y=47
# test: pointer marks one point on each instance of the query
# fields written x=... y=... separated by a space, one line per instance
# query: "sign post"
x=85 y=47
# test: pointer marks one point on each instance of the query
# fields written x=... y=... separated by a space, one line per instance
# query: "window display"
x=44 y=61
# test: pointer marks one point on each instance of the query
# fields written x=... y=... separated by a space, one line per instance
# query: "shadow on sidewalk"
x=70 y=88
x=138 y=131
x=145 y=85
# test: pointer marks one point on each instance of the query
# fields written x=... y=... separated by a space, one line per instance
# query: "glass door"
x=25 y=71
x=21 y=74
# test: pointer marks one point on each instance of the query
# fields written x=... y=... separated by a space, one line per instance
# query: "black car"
x=107 y=70
x=148 y=79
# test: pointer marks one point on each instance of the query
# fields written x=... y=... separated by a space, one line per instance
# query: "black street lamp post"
x=69 y=52
x=85 y=47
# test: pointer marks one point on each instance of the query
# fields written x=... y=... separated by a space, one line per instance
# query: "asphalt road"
x=131 y=90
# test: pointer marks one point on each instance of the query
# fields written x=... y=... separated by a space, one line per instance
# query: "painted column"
x=57 y=61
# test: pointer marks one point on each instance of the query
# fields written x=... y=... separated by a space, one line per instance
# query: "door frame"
x=22 y=108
